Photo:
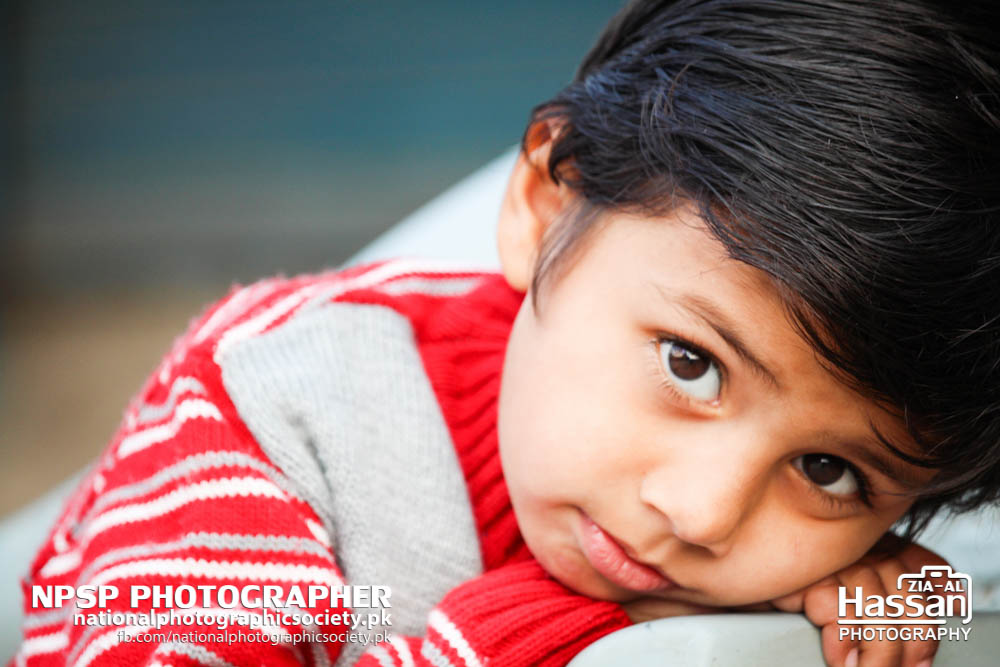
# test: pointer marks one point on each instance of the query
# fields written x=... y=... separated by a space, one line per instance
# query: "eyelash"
x=832 y=501
x=840 y=502
x=664 y=380
x=675 y=393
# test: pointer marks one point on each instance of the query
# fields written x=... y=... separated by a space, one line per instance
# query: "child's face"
x=614 y=427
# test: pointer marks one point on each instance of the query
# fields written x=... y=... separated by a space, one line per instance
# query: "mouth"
x=610 y=560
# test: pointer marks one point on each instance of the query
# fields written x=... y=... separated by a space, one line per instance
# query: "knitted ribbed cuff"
x=518 y=615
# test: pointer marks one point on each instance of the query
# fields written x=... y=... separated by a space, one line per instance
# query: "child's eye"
x=691 y=371
x=834 y=475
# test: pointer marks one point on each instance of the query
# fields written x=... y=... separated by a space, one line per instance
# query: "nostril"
x=696 y=517
x=712 y=538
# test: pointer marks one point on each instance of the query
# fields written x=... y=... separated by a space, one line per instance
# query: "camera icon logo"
x=940 y=583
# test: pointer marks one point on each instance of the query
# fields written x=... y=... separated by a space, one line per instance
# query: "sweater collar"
x=462 y=343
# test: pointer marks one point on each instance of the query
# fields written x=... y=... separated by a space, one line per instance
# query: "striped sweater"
x=321 y=430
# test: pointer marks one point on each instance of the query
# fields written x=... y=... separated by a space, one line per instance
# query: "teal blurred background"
x=152 y=153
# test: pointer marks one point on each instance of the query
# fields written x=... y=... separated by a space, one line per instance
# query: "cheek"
x=794 y=554
x=544 y=430
x=557 y=420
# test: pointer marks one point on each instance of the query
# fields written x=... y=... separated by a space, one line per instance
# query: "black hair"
x=850 y=150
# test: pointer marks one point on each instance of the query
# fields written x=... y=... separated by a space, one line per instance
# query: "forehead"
x=676 y=258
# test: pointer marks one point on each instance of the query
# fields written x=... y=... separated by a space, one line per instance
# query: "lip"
x=610 y=560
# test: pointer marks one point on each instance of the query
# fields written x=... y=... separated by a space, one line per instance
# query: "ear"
x=532 y=202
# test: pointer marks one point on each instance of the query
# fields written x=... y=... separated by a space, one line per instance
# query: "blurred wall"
x=155 y=152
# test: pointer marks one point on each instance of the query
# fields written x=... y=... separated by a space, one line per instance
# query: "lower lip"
x=611 y=561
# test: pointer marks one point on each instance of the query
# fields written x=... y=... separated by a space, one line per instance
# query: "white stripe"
x=319 y=533
x=106 y=642
x=196 y=653
x=432 y=286
x=193 y=408
x=38 y=618
x=61 y=564
x=109 y=640
x=216 y=488
x=218 y=569
x=224 y=313
x=148 y=412
x=370 y=278
x=71 y=514
x=274 y=631
x=425 y=265
x=403 y=649
x=258 y=323
x=381 y=655
x=164 y=374
x=443 y=625
x=320 y=657
x=213 y=541
x=185 y=468
x=50 y=643
x=382 y=277
x=433 y=654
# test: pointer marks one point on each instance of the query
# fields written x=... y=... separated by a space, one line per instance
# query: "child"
x=747 y=322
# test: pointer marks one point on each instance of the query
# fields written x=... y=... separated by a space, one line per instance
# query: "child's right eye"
x=831 y=473
x=840 y=483
x=690 y=371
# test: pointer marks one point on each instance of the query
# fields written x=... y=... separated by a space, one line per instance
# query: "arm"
x=183 y=495
x=215 y=513
x=514 y=615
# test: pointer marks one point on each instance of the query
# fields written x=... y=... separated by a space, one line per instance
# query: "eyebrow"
x=713 y=316
x=904 y=476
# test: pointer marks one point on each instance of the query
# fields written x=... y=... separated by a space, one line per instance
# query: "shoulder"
x=253 y=309
x=249 y=311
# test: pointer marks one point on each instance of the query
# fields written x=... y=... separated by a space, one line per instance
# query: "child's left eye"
x=691 y=371
x=830 y=473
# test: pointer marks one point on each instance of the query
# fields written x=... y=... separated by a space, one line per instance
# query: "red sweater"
x=185 y=494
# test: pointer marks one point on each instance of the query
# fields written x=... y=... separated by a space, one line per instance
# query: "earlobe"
x=531 y=204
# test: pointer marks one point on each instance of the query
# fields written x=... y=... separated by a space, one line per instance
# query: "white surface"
x=748 y=640
x=971 y=543
x=759 y=640
x=459 y=224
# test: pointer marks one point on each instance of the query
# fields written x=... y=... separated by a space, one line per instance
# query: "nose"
x=706 y=490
